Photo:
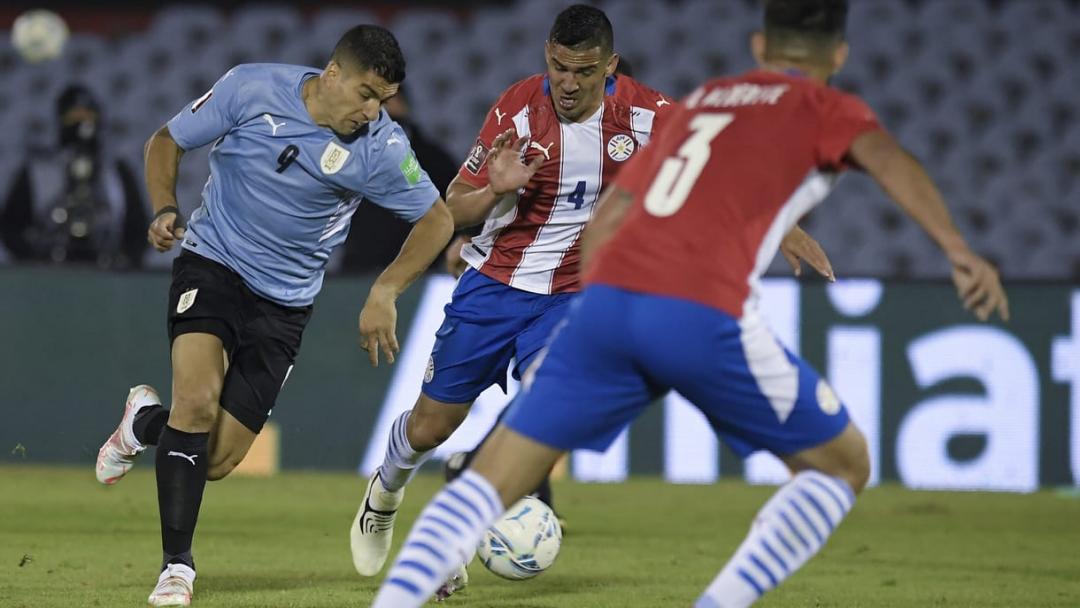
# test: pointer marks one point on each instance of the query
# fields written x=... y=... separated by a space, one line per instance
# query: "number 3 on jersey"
x=678 y=174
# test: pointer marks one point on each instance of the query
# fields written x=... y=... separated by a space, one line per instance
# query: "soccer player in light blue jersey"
x=294 y=152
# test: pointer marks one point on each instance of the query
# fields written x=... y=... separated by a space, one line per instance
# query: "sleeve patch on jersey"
x=477 y=157
x=410 y=168
x=200 y=102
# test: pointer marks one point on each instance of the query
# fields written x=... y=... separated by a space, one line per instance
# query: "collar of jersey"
x=609 y=86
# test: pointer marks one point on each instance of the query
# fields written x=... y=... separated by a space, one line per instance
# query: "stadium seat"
x=985 y=92
x=188 y=27
x=426 y=33
x=952 y=12
x=1033 y=16
x=266 y=28
x=328 y=25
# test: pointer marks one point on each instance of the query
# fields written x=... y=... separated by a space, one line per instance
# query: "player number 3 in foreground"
x=678 y=173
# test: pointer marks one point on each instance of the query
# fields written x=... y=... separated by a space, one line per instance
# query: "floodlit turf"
x=67 y=541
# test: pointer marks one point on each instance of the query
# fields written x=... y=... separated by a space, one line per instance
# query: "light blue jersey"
x=282 y=190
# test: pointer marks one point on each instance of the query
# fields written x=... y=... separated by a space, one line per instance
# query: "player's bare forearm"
x=162 y=156
x=905 y=180
x=378 y=319
x=468 y=204
x=425 y=242
x=610 y=213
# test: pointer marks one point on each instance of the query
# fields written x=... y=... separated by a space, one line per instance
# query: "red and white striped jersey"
x=741 y=160
x=531 y=240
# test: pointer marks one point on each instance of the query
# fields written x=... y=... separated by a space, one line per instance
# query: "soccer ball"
x=39 y=35
x=523 y=542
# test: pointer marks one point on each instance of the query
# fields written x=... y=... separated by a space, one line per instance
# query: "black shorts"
x=261 y=338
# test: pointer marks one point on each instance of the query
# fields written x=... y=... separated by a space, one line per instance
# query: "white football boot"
x=174 y=587
x=117 y=455
x=373 y=527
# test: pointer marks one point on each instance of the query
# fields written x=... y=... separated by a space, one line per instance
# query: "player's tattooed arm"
x=378 y=319
x=162 y=160
x=903 y=177
x=506 y=173
x=798 y=247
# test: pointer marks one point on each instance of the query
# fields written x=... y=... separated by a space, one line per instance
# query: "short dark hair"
x=370 y=47
x=583 y=27
x=818 y=23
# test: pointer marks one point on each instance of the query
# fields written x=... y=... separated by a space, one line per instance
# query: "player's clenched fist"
x=167 y=228
x=455 y=264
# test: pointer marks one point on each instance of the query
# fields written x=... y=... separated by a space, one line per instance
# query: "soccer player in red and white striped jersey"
x=547 y=148
x=549 y=145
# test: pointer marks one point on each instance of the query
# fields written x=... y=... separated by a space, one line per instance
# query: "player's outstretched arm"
x=378 y=319
x=506 y=173
x=906 y=181
x=162 y=159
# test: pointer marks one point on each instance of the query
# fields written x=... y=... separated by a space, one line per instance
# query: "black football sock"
x=542 y=491
x=181 y=479
x=148 y=424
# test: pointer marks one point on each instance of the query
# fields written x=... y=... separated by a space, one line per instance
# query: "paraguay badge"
x=620 y=147
x=333 y=158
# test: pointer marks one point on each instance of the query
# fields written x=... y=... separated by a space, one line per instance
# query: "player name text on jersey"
x=737 y=95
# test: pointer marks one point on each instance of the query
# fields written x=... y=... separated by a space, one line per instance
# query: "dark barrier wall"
x=946 y=402
x=73 y=342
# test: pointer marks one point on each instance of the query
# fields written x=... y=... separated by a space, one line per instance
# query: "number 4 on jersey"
x=678 y=174
x=577 y=197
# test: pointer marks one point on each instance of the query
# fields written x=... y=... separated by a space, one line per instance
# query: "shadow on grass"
x=285 y=581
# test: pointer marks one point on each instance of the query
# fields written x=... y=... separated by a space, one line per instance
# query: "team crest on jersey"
x=477 y=157
x=333 y=158
x=187 y=299
x=826 y=398
x=620 y=147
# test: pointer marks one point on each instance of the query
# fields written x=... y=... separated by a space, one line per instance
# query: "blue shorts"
x=487 y=325
x=619 y=350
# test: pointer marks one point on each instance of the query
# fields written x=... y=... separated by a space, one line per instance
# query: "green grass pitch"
x=283 y=542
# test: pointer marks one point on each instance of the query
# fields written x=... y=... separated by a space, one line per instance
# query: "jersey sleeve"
x=499 y=118
x=637 y=174
x=662 y=118
x=210 y=116
x=398 y=183
x=846 y=117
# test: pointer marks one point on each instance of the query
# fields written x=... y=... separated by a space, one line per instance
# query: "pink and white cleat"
x=457 y=581
x=117 y=455
x=174 y=587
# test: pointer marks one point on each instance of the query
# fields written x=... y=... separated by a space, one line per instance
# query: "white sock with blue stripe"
x=787 y=532
x=442 y=539
x=401 y=461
